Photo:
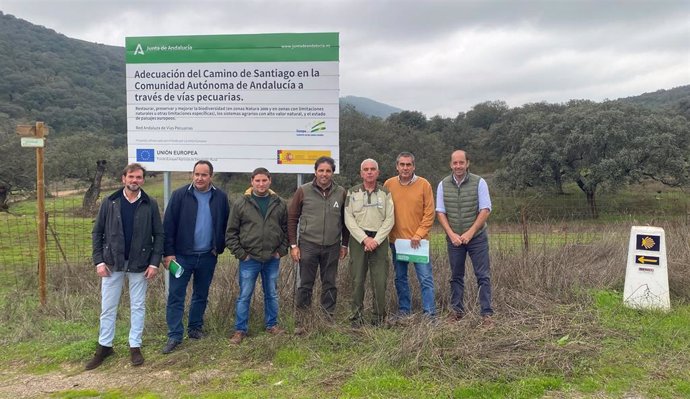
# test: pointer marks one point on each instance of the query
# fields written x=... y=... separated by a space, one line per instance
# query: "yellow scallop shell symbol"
x=648 y=242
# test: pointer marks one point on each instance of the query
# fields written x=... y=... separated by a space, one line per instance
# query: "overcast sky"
x=437 y=57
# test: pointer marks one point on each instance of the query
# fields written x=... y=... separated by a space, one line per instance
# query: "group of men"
x=322 y=223
x=403 y=209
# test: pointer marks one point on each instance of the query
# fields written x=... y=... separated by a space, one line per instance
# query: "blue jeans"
x=111 y=289
x=248 y=273
x=478 y=249
x=402 y=287
x=201 y=266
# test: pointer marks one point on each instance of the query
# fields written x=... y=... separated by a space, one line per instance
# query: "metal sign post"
x=167 y=179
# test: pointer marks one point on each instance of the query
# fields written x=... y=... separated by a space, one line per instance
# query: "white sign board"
x=34 y=142
x=646 y=275
x=239 y=101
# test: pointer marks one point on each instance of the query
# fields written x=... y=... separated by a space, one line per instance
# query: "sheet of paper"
x=405 y=252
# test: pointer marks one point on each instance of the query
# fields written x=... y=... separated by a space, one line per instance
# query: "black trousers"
x=323 y=260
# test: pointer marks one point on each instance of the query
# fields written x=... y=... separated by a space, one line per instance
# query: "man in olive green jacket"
x=257 y=236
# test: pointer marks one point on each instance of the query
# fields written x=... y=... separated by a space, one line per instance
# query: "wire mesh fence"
x=519 y=227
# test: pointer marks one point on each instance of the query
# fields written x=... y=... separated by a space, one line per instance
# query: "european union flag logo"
x=146 y=155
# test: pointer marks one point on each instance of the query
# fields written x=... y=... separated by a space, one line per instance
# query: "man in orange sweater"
x=413 y=200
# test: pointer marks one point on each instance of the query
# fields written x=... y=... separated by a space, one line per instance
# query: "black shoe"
x=196 y=334
x=170 y=345
x=101 y=353
x=137 y=357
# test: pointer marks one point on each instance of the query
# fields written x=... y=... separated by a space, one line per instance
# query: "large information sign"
x=239 y=101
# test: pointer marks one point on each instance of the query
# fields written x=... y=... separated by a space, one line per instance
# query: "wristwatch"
x=293 y=246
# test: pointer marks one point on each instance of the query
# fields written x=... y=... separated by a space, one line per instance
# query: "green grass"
x=534 y=387
x=644 y=352
x=647 y=352
x=382 y=382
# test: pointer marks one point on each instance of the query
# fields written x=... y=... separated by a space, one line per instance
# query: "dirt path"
x=65 y=193
x=21 y=385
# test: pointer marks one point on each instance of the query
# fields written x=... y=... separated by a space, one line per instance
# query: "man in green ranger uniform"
x=369 y=216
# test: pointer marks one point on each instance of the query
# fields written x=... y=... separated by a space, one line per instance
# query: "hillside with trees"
x=77 y=88
x=75 y=85
x=368 y=106
x=675 y=100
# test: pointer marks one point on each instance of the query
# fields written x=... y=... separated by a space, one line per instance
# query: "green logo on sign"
x=318 y=126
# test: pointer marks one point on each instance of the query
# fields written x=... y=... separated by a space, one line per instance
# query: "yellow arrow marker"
x=644 y=260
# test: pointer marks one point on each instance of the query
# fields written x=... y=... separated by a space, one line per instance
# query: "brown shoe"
x=137 y=357
x=101 y=353
x=237 y=337
x=487 y=322
x=275 y=330
x=455 y=317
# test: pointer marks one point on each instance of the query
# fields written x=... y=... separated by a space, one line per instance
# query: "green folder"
x=175 y=268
